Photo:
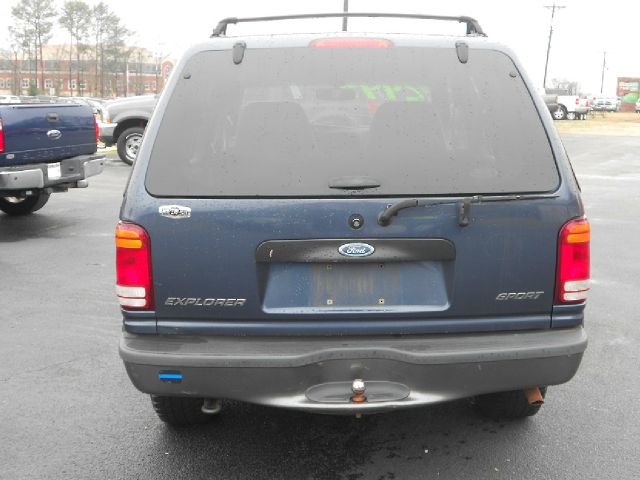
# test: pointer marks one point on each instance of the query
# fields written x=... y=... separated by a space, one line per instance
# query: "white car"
x=9 y=99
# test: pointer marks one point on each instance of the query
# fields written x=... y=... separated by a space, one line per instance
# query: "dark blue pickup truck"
x=351 y=223
x=44 y=149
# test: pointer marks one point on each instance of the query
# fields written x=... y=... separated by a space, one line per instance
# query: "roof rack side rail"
x=473 y=27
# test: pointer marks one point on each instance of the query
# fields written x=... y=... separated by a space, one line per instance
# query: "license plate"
x=411 y=286
x=53 y=171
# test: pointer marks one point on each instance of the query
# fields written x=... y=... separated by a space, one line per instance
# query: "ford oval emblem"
x=356 y=249
x=54 y=134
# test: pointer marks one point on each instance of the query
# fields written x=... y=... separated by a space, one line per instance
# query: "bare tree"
x=76 y=19
x=102 y=18
x=571 y=87
x=116 y=52
x=22 y=45
x=38 y=15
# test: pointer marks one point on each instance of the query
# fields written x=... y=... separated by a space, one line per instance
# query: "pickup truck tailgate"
x=46 y=133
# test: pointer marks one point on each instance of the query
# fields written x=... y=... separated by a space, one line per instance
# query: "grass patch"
x=603 y=123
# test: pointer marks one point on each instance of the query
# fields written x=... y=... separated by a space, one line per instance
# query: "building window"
x=146 y=86
x=9 y=83
x=71 y=85
x=25 y=83
x=48 y=83
x=1 y=82
x=83 y=84
x=153 y=86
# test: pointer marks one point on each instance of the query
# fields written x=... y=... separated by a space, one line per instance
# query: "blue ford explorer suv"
x=351 y=223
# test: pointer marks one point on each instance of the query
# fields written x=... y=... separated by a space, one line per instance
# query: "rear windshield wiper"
x=354 y=183
x=464 y=205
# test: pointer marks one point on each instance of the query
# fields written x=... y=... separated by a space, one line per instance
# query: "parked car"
x=606 y=104
x=418 y=239
x=9 y=99
x=123 y=124
x=552 y=103
x=572 y=107
x=44 y=149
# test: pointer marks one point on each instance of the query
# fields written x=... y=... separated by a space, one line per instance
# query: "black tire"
x=571 y=115
x=507 y=405
x=180 y=411
x=560 y=113
x=16 y=206
x=129 y=143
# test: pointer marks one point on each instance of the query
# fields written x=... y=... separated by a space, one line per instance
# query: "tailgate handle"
x=52 y=117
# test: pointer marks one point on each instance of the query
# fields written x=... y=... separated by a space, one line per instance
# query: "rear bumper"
x=43 y=175
x=106 y=132
x=315 y=374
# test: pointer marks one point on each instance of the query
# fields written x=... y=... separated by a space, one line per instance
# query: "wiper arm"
x=384 y=217
x=464 y=205
x=354 y=183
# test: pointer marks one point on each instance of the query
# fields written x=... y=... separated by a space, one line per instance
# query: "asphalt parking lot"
x=70 y=412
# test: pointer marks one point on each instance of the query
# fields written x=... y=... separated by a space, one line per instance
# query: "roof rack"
x=473 y=27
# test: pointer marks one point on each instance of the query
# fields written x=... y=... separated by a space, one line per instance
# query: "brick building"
x=142 y=73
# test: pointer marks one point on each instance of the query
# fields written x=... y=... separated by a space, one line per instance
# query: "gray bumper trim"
x=21 y=179
x=106 y=131
x=181 y=351
x=404 y=372
x=36 y=176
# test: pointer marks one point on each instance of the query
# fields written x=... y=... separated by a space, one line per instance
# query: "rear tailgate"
x=216 y=266
x=276 y=163
x=46 y=133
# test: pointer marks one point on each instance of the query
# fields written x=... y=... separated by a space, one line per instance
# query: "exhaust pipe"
x=534 y=396
x=211 y=406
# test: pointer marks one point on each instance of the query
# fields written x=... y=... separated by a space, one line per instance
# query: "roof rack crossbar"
x=473 y=27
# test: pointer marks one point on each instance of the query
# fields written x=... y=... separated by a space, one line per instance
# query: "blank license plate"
x=53 y=171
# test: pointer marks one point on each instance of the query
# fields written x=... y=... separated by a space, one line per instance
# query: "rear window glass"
x=317 y=121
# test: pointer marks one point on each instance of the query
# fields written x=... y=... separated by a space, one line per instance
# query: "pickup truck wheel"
x=180 y=411
x=16 y=206
x=560 y=114
x=571 y=115
x=507 y=405
x=129 y=144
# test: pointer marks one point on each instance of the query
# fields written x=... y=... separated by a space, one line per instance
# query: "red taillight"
x=1 y=137
x=572 y=279
x=577 y=101
x=351 y=43
x=95 y=124
x=134 y=285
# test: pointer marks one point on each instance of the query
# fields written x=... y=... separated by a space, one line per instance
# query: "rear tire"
x=507 y=405
x=17 y=206
x=129 y=144
x=560 y=113
x=571 y=115
x=180 y=411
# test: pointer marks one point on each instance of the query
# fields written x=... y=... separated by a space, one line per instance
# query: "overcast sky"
x=582 y=30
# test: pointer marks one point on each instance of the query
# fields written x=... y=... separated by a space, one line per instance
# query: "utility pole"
x=345 y=9
x=604 y=66
x=553 y=9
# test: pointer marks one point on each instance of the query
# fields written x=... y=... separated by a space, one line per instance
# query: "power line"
x=553 y=9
